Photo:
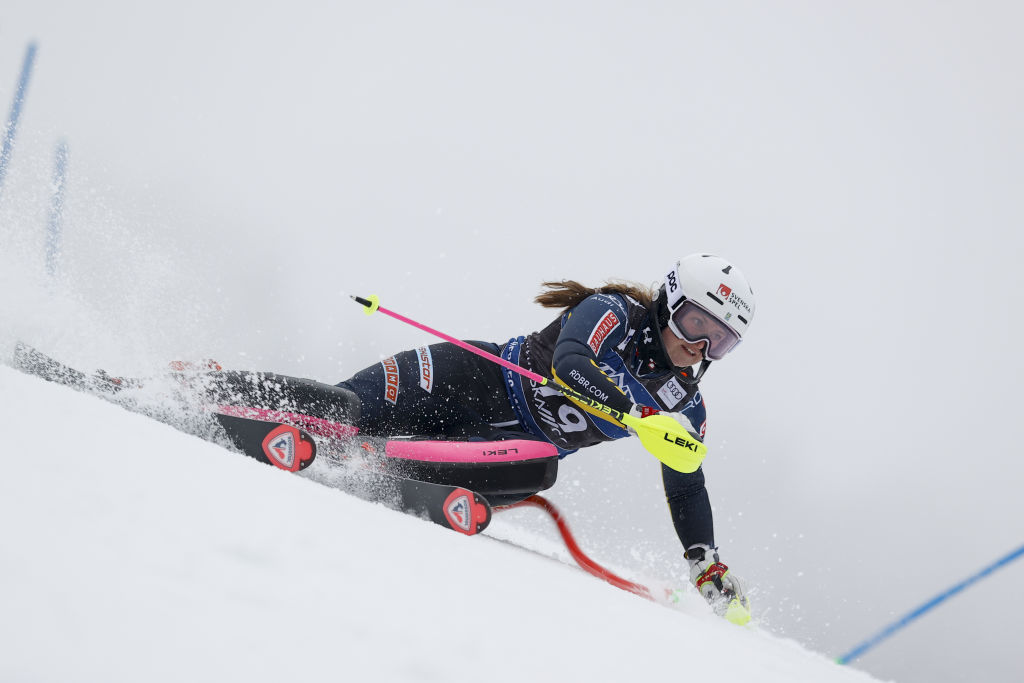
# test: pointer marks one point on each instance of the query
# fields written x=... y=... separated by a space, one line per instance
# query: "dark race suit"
x=605 y=347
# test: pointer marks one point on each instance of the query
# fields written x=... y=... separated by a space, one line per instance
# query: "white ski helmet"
x=702 y=284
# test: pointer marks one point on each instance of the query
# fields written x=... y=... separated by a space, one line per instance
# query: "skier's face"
x=681 y=352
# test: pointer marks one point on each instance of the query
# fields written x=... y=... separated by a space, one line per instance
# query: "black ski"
x=292 y=449
x=272 y=443
x=453 y=507
x=32 y=362
x=286 y=446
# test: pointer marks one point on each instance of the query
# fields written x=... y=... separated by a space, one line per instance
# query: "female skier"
x=632 y=349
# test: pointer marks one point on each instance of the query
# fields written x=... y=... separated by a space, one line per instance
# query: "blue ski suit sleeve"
x=594 y=325
x=690 y=506
x=686 y=494
x=587 y=332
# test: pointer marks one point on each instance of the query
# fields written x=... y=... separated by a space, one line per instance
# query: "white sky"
x=236 y=168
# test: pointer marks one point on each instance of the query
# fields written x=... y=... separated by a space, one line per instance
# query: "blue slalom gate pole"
x=937 y=600
x=54 y=226
x=12 y=120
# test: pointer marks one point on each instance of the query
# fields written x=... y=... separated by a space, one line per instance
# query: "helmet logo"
x=724 y=291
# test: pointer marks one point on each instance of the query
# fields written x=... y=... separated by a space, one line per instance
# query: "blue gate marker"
x=12 y=121
x=938 y=599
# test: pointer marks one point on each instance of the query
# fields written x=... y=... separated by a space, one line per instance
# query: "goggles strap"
x=690 y=381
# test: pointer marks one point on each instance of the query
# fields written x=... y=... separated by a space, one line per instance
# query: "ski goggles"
x=695 y=324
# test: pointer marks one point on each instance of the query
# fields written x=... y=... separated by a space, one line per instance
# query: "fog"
x=237 y=169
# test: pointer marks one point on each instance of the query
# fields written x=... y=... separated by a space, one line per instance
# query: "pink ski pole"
x=372 y=304
x=660 y=434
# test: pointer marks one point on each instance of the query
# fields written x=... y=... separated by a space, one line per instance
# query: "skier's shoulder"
x=618 y=302
x=595 y=320
x=606 y=309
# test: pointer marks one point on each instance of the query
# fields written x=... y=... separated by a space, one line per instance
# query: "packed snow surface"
x=135 y=552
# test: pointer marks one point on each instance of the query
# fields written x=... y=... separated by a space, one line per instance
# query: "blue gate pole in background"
x=12 y=120
x=54 y=226
x=937 y=600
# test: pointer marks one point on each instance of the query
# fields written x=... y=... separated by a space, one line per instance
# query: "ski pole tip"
x=370 y=304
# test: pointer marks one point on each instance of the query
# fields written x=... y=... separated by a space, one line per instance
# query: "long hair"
x=565 y=294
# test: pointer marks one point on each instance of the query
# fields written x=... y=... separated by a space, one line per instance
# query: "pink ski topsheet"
x=470 y=451
x=314 y=425
x=513 y=450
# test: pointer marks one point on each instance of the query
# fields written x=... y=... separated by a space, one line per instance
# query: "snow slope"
x=134 y=552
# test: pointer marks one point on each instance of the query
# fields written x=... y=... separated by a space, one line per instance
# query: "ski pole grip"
x=371 y=305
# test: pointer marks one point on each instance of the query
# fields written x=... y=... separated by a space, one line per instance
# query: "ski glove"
x=719 y=586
